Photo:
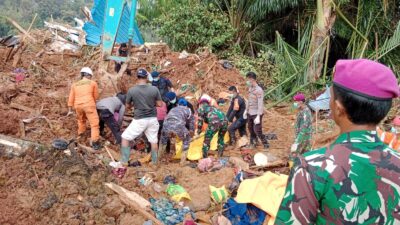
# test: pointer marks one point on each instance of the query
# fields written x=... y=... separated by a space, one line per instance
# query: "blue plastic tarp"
x=321 y=102
x=94 y=29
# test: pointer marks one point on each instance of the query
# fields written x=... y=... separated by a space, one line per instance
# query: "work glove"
x=245 y=114
x=257 y=120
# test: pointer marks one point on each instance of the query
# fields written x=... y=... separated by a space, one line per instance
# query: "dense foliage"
x=23 y=11
x=286 y=42
x=191 y=26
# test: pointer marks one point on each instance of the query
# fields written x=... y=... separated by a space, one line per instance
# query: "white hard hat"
x=261 y=159
x=205 y=98
x=87 y=70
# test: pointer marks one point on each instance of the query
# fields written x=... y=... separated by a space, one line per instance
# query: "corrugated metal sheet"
x=9 y=41
x=94 y=30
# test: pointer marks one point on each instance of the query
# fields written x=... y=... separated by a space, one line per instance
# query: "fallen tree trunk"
x=278 y=163
x=143 y=203
x=135 y=200
x=24 y=108
x=11 y=147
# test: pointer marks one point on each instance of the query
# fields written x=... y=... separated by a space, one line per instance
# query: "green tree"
x=194 y=25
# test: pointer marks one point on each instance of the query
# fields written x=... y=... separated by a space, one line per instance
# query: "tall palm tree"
x=246 y=16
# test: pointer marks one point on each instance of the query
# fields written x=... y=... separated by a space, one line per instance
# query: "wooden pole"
x=22 y=30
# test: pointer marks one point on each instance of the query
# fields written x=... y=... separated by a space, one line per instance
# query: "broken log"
x=73 y=54
x=279 y=163
x=24 y=108
x=123 y=69
x=142 y=202
x=18 y=54
x=141 y=211
x=113 y=84
x=22 y=30
x=11 y=147
x=88 y=149
x=22 y=128
x=135 y=200
x=8 y=54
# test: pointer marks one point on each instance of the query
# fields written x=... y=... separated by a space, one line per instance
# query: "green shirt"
x=356 y=180
x=303 y=130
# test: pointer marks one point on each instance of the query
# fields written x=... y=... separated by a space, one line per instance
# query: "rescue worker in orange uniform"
x=82 y=98
x=391 y=138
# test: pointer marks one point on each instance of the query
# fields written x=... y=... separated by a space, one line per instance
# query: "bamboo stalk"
x=340 y=13
x=287 y=96
x=305 y=67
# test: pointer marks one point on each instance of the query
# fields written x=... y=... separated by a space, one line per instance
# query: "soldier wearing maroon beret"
x=355 y=180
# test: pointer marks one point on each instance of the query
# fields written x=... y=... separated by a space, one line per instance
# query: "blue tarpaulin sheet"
x=321 y=102
x=94 y=29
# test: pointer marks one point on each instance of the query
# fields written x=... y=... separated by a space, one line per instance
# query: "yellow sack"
x=177 y=192
x=195 y=151
x=219 y=195
x=269 y=186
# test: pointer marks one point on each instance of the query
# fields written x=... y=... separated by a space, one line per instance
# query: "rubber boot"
x=96 y=145
x=161 y=151
x=252 y=144
x=125 y=154
x=221 y=151
x=183 y=157
x=154 y=156
x=205 y=154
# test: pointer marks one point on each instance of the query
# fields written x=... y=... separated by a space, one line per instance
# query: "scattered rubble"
x=47 y=186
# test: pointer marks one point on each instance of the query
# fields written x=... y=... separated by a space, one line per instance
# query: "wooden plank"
x=30 y=27
x=279 y=163
x=23 y=108
x=22 y=30
x=22 y=128
x=141 y=211
x=139 y=200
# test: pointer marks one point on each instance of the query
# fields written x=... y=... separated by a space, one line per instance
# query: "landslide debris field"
x=47 y=186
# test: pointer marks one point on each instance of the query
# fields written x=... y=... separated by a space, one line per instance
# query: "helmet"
x=170 y=95
x=205 y=99
x=396 y=121
x=87 y=70
x=142 y=73
x=155 y=74
x=182 y=102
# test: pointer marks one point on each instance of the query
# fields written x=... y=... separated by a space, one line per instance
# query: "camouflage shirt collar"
x=359 y=136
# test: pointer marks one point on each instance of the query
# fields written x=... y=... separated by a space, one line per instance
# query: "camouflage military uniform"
x=176 y=122
x=217 y=122
x=303 y=131
x=356 y=180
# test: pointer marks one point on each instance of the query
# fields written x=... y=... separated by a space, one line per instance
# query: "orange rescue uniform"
x=82 y=97
x=389 y=138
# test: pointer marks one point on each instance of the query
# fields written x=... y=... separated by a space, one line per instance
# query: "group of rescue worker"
x=160 y=113
x=354 y=180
